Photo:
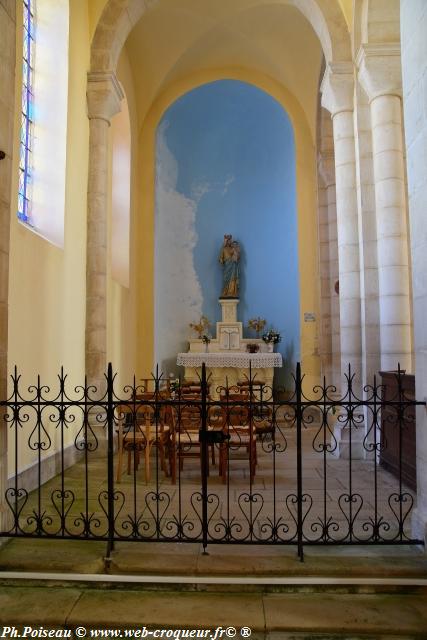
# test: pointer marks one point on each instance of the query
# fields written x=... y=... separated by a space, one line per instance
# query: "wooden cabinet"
x=395 y=431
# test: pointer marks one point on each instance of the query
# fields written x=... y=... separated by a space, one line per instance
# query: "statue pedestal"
x=229 y=332
x=229 y=309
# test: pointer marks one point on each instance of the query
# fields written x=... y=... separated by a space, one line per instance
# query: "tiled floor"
x=239 y=510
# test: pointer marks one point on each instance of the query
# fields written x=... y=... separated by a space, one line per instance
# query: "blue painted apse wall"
x=225 y=160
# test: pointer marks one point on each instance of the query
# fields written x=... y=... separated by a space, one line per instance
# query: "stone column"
x=380 y=76
x=326 y=166
x=413 y=22
x=368 y=239
x=325 y=341
x=337 y=97
x=103 y=98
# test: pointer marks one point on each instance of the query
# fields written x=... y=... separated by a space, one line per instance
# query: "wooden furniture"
x=259 y=394
x=188 y=421
x=142 y=426
x=239 y=429
x=390 y=427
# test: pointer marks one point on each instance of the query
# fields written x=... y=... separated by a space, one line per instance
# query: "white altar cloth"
x=239 y=360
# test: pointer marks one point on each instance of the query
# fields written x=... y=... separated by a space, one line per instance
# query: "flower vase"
x=270 y=347
x=206 y=345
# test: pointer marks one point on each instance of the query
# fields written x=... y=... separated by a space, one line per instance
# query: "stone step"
x=174 y=559
x=273 y=615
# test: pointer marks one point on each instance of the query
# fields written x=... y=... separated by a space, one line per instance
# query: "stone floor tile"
x=202 y=610
x=78 y=556
x=36 y=605
x=374 y=614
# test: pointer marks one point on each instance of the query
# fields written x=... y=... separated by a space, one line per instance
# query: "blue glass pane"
x=25 y=72
x=30 y=139
x=30 y=110
x=25 y=52
x=31 y=56
x=22 y=159
x=27 y=105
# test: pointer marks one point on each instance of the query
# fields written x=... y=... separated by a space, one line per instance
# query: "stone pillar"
x=103 y=98
x=380 y=76
x=7 y=103
x=337 y=97
x=325 y=341
x=413 y=22
x=371 y=351
x=326 y=169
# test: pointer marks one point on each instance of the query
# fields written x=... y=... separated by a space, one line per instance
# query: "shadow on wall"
x=243 y=307
x=283 y=376
x=168 y=365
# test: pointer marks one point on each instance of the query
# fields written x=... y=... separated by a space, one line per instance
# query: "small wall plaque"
x=309 y=316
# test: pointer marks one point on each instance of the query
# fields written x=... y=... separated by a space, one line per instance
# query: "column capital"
x=337 y=87
x=326 y=167
x=104 y=95
x=380 y=71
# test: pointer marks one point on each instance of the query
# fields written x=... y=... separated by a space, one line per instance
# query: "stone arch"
x=305 y=163
x=118 y=19
x=104 y=94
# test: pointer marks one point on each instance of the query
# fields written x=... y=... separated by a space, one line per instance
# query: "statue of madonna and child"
x=229 y=258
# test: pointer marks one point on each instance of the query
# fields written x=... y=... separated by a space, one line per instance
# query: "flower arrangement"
x=174 y=385
x=272 y=337
x=257 y=324
x=206 y=338
x=201 y=327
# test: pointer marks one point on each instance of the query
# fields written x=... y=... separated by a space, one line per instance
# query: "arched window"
x=27 y=117
x=41 y=199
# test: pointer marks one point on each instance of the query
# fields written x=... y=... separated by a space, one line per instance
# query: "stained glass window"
x=27 y=116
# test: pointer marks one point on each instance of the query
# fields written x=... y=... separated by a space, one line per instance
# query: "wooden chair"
x=187 y=425
x=143 y=425
x=262 y=413
x=240 y=433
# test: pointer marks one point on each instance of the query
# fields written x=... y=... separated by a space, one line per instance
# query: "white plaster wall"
x=178 y=297
x=414 y=75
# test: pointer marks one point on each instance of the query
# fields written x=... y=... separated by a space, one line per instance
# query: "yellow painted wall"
x=121 y=301
x=306 y=203
x=47 y=284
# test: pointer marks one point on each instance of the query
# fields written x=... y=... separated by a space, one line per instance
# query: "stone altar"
x=226 y=357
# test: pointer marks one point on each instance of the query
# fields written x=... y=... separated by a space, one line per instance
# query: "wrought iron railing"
x=265 y=466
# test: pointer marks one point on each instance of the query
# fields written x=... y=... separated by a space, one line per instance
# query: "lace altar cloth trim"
x=238 y=360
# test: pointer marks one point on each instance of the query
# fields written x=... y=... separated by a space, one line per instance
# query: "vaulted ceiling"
x=177 y=38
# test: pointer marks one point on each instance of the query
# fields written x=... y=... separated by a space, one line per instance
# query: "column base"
x=419 y=525
x=342 y=436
